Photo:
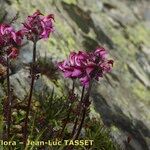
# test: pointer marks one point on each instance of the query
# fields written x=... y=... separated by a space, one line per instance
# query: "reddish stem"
x=77 y=118
x=69 y=111
x=33 y=76
x=85 y=101
x=8 y=100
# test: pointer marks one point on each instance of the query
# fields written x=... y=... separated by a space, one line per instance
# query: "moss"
x=118 y=39
x=101 y=137
x=71 y=42
x=66 y=40
x=93 y=114
x=125 y=47
x=114 y=129
x=139 y=34
x=70 y=1
x=141 y=91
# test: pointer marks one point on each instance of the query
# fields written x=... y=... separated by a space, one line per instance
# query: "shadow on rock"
x=89 y=43
x=113 y=115
x=84 y=22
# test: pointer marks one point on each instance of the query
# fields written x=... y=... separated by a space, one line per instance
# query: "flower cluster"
x=38 y=27
x=9 y=40
x=86 y=66
x=35 y=27
x=8 y=36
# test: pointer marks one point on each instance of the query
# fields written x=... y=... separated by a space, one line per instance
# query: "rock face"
x=123 y=97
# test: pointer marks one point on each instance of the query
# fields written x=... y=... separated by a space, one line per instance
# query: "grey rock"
x=147 y=13
x=119 y=12
x=139 y=74
x=1 y=92
x=122 y=98
x=143 y=58
x=20 y=83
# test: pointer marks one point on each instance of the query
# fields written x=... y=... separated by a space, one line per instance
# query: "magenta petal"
x=72 y=58
x=38 y=26
x=85 y=81
x=85 y=66
x=8 y=36
x=76 y=73
x=68 y=74
x=89 y=70
x=101 y=52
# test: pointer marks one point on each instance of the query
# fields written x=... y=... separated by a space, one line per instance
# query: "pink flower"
x=38 y=27
x=85 y=81
x=13 y=52
x=73 y=67
x=86 y=66
x=101 y=52
x=8 y=36
x=9 y=39
x=19 y=37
